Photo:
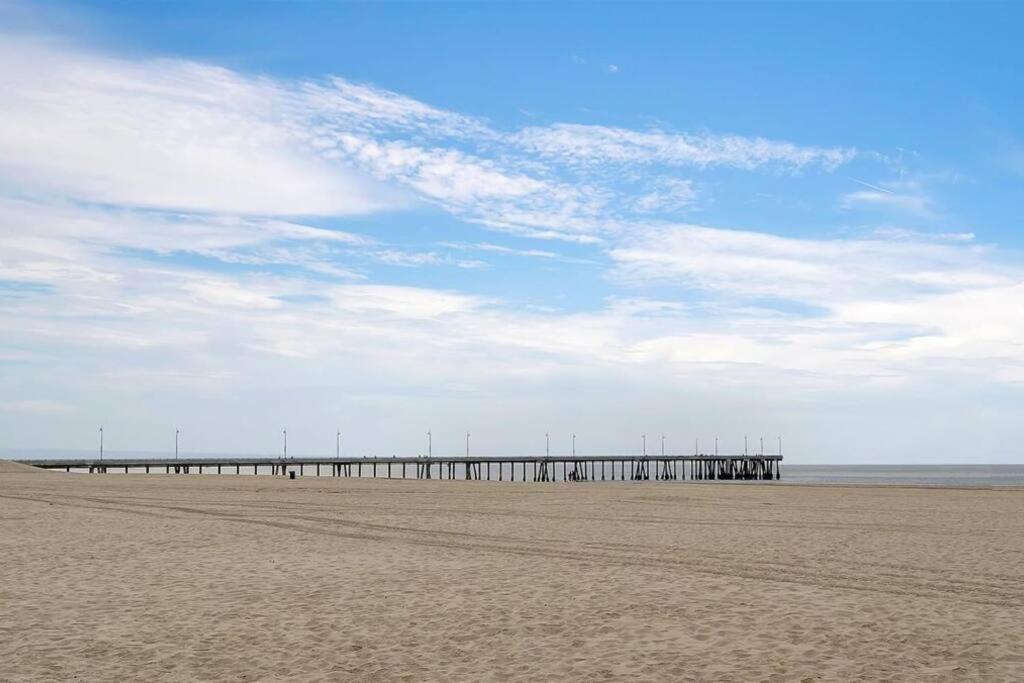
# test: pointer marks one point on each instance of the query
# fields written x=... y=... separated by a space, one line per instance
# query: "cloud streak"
x=577 y=144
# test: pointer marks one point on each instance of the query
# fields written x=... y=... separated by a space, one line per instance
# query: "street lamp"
x=467 y=444
x=643 y=439
x=547 y=444
x=176 y=432
x=430 y=445
x=101 y=442
x=285 y=432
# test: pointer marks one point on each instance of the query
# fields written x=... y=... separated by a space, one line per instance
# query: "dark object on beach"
x=291 y=474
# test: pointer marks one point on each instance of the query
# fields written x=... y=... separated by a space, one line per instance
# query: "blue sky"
x=513 y=219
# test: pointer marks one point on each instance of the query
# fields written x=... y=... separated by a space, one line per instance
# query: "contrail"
x=873 y=187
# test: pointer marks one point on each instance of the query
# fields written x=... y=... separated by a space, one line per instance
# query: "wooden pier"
x=521 y=468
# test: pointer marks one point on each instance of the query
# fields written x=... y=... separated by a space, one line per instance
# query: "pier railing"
x=490 y=468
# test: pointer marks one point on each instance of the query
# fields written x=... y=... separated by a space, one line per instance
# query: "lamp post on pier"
x=101 y=442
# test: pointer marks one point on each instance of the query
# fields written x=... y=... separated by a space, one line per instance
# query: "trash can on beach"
x=291 y=474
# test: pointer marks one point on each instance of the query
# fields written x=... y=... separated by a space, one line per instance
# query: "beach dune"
x=122 y=577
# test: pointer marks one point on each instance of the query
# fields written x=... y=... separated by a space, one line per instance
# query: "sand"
x=8 y=467
x=154 y=577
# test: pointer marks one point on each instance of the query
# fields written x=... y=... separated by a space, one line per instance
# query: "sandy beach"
x=154 y=577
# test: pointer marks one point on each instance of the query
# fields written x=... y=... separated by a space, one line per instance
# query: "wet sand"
x=154 y=577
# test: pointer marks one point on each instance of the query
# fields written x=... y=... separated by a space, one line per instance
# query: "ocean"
x=916 y=475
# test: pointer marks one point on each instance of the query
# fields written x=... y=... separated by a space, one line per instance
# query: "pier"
x=492 y=468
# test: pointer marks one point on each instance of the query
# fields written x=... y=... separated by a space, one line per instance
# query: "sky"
x=697 y=220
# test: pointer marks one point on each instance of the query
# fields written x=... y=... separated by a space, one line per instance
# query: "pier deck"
x=490 y=468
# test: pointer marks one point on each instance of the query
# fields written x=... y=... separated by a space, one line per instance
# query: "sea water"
x=917 y=475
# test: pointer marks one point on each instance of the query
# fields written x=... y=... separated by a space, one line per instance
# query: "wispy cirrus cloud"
x=340 y=105
x=578 y=144
x=162 y=134
x=187 y=136
x=814 y=271
x=901 y=195
x=880 y=307
x=666 y=194
x=54 y=242
x=397 y=257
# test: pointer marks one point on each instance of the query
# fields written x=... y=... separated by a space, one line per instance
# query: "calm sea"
x=935 y=475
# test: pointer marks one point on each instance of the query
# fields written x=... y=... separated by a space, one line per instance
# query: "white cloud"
x=54 y=243
x=162 y=134
x=403 y=302
x=396 y=257
x=342 y=106
x=577 y=144
x=903 y=195
x=815 y=271
x=222 y=292
x=892 y=308
x=187 y=136
x=538 y=253
x=905 y=202
x=442 y=174
x=668 y=194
